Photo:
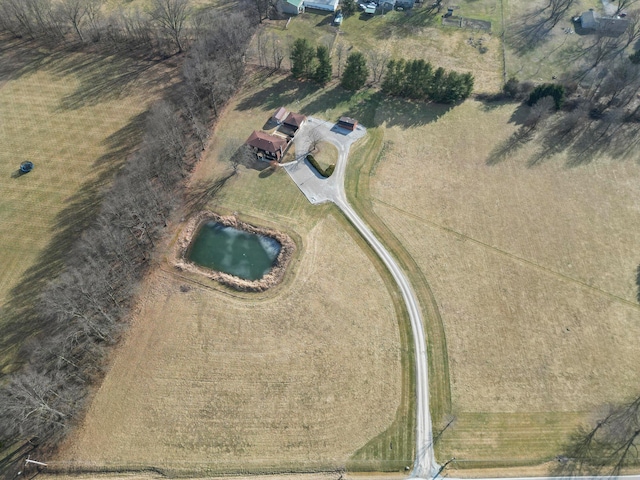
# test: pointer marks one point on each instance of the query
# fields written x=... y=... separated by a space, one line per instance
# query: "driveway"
x=318 y=190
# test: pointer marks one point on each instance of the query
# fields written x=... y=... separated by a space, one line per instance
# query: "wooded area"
x=82 y=310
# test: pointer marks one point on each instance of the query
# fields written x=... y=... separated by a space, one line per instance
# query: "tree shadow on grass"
x=19 y=319
x=200 y=194
x=328 y=100
x=104 y=78
x=285 y=92
x=101 y=76
x=410 y=23
x=409 y=113
x=529 y=31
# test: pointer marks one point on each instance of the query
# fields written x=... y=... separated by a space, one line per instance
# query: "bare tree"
x=377 y=62
x=277 y=51
x=74 y=11
x=33 y=404
x=172 y=15
x=623 y=4
x=315 y=139
x=605 y=448
x=341 y=52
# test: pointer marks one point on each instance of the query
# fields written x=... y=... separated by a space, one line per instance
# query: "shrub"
x=326 y=173
x=547 y=90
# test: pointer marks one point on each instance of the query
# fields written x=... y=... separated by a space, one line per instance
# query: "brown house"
x=347 y=123
x=294 y=121
x=267 y=147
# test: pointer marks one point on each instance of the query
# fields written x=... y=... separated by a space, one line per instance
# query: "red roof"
x=264 y=141
x=280 y=114
x=348 y=121
x=295 y=119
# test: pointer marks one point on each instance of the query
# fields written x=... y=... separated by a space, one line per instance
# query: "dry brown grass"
x=207 y=381
x=533 y=270
x=296 y=378
x=76 y=117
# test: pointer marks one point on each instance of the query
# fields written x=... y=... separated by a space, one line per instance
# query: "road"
x=319 y=190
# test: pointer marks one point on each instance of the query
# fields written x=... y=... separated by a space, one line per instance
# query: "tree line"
x=162 y=28
x=413 y=79
x=417 y=80
x=84 y=306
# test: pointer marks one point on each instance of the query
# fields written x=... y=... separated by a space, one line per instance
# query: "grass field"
x=75 y=117
x=533 y=270
x=298 y=378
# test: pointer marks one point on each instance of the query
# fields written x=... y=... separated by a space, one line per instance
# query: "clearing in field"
x=533 y=270
x=76 y=117
x=297 y=378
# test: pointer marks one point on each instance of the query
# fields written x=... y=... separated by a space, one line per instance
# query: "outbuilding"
x=294 y=121
x=279 y=115
x=347 y=123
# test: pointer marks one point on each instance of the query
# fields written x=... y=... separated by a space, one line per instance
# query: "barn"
x=347 y=123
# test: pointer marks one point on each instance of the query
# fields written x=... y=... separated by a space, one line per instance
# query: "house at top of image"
x=326 y=5
x=592 y=21
x=295 y=7
x=292 y=7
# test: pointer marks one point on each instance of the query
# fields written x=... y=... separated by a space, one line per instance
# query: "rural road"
x=320 y=190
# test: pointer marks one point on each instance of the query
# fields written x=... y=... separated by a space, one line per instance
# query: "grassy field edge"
x=363 y=162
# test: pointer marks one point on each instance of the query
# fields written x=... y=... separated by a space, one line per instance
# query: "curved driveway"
x=318 y=190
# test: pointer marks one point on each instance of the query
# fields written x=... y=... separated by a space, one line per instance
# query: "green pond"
x=233 y=251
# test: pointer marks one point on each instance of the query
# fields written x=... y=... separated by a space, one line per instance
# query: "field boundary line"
x=512 y=255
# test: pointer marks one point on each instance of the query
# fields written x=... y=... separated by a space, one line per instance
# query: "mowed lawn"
x=534 y=273
x=298 y=378
x=75 y=117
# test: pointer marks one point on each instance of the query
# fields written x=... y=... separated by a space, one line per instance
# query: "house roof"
x=348 y=120
x=295 y=3
x=264 y=141
x=589 y=19
x=613 y=25
x=295 y=119
x=280 y=114
x=322 y=4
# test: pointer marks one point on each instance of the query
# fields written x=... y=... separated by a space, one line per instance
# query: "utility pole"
x=443 y=466
x=33 y=462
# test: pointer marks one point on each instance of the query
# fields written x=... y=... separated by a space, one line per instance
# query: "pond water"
x=233 y=251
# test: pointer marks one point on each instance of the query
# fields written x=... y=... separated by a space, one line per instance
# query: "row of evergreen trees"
x=414 y=79
x=417 y=80
x=309 y=63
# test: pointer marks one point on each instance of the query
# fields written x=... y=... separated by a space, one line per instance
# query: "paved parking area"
x=316 y=188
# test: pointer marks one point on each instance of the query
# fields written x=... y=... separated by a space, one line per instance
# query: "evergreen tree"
x=355 y=73
x=302 y=59
x=547 y=90
x=324 y=70
x=393 y=84
x=437 y=85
